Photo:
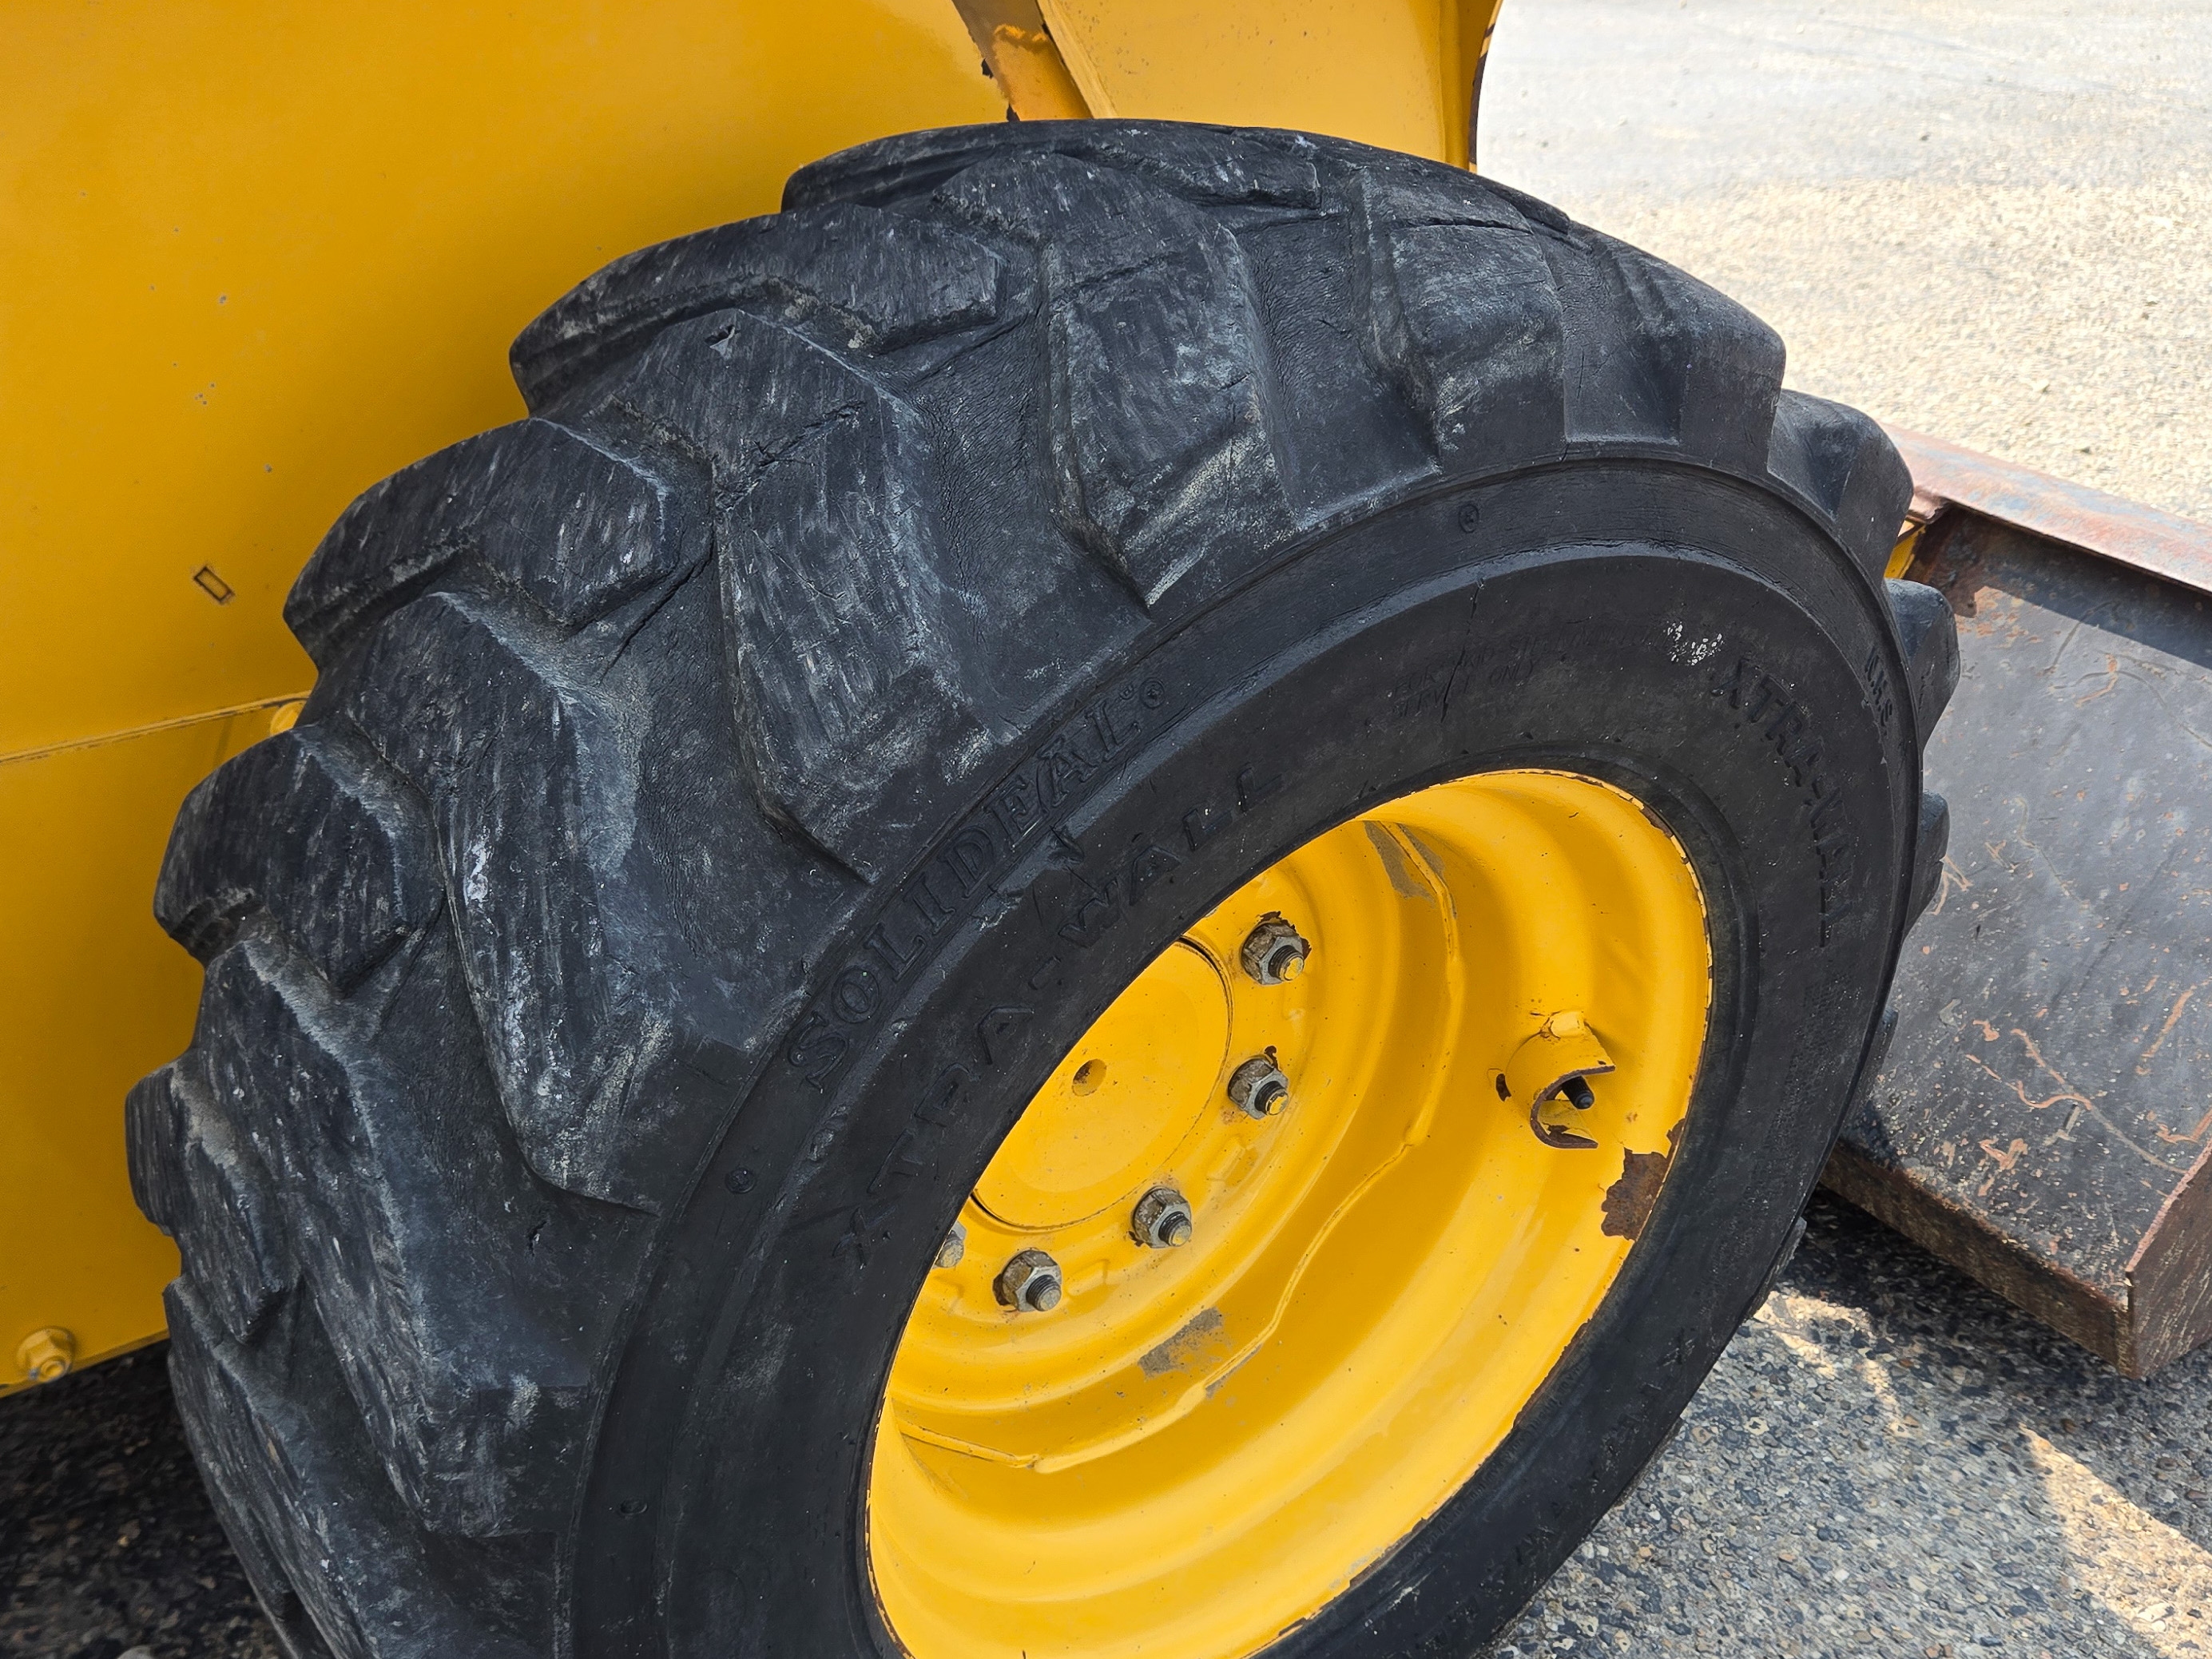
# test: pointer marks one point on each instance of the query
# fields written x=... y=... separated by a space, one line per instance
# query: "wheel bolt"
x=1162 y=1220
x=1260 y=1087
x=1273 y=952
x=1029 y=1283
x=954 y=1247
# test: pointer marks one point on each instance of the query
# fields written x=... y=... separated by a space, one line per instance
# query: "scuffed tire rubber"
x=728 y=790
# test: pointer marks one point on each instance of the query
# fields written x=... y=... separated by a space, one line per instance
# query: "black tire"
x=728 y=790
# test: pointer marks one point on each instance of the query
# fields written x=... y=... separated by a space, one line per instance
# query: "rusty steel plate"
x=2043 y=1117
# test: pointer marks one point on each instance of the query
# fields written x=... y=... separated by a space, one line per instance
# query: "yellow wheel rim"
x=1202 y=1444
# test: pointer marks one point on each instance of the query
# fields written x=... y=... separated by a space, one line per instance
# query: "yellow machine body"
x=255 y=257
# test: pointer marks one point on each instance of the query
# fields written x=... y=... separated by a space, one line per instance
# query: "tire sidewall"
x=1722 y=677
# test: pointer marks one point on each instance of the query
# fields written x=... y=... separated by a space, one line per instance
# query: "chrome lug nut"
x=1273 y=952
x=1260 y=1087
x=954 y=1247
x=1162 y=1220
x=1029 y=1283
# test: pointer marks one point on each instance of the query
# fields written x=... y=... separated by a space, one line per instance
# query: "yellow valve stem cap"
x=1562 y=1051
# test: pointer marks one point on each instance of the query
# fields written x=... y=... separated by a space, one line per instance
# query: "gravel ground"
x=108 y=1545
x=1992 y=223
x=1889 y=1460
x=1989 y=223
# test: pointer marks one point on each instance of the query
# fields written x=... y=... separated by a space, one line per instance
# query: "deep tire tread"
x=600 y=530
x=361 y=879
x=884 y=280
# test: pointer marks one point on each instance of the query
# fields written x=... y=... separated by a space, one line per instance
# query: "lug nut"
x=954 y=1247
x=1162 y=1220
x=1029 y=1283
x=1260 y=1087
x=1273 y=952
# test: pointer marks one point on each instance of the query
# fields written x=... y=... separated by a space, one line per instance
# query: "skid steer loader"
x=1105 y=890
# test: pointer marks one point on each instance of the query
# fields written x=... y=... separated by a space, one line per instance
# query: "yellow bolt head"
x=47 y=1355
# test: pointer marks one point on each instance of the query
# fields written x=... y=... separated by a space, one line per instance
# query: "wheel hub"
x=1194 y=1447
x=1117 y=1108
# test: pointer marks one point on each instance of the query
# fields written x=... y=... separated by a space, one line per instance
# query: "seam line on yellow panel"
x=150 y=730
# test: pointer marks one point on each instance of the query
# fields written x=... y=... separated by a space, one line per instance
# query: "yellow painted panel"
x=255 y=255
x=253 y=258
x=93 y=995
x=1391 y=72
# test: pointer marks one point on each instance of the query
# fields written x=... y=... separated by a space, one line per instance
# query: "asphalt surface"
x=1991 y=222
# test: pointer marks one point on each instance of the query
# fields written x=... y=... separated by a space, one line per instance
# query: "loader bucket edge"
x=2041 y=1120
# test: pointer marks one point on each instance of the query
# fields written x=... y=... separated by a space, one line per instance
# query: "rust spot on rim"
x=1628 y=1201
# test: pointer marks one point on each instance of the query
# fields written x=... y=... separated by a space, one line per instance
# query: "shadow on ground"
x=107 y=1541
